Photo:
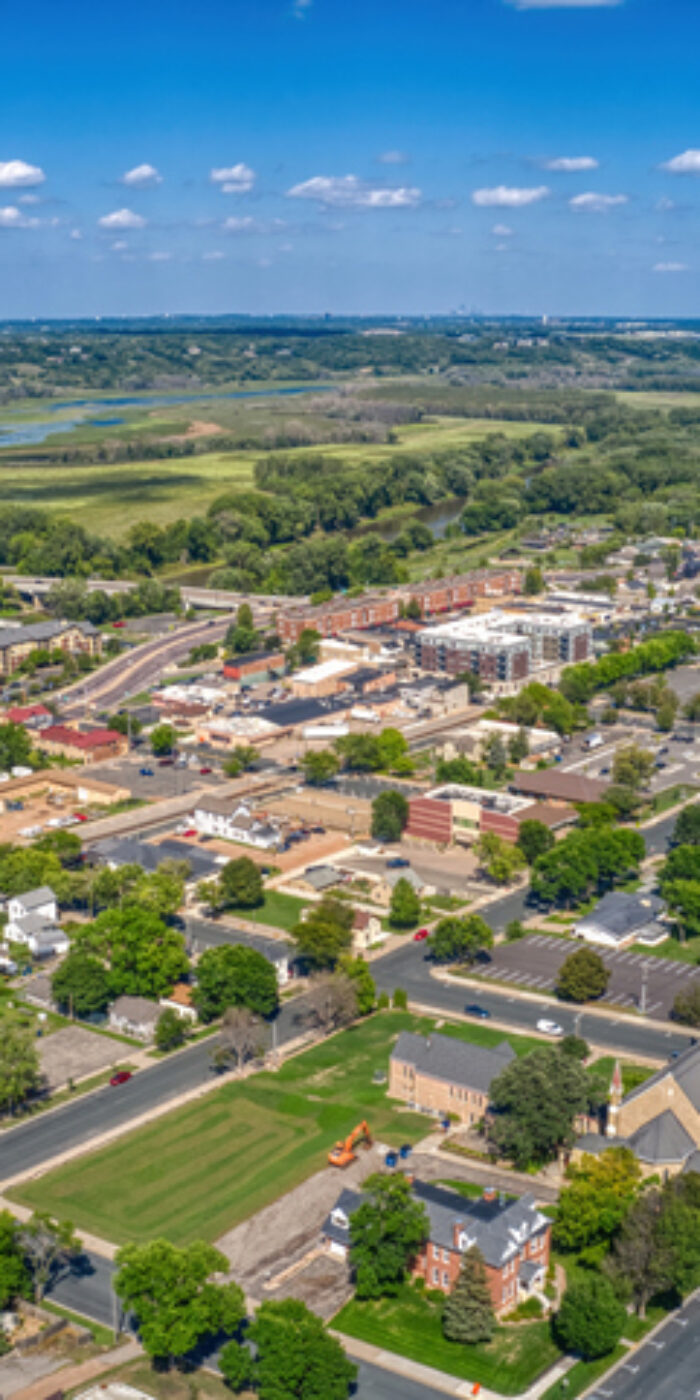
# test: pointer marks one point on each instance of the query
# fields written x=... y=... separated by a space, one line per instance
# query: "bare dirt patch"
x=73 y=1053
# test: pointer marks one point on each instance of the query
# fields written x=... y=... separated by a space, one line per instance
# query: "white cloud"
x=663 y=205
x=393 y=158
x=669 y=267
x=213 y=256
x=120 y=245
x=350 y=192
x=122 y=218
x=300 y=8
x=592 y=203
x=14 y=173
x=76 y=235
x=12 y=217
x=159 y=257
x=246 y=224
x=571 y=164
x=142 y=175
x=28 y=199
x=687 y=163
x=502 y=231
x=564 y=4
x=506 y=197
x=233 y=179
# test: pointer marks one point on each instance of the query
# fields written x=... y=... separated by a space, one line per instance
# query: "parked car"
x=204 y=771
x=191 y=831
x=397 y=863
x=121 y=623
x=166 y=762
x=549 y=1027
x=120 y=1077
x=420 y=934
x=146 y=772
x=473 y=1009
x=80 y=816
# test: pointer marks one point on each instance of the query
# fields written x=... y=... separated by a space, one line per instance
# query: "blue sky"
x=368 y=156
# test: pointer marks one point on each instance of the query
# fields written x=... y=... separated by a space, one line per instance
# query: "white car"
x=550 y=1027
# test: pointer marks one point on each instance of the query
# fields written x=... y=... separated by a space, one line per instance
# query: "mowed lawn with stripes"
x=198 y=1171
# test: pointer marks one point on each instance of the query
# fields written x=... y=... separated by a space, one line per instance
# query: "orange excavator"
x=344 y=1152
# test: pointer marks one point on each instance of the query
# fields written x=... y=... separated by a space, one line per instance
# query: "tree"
x=47 y=1244
x=233 y=975
x=534 y=839
x=468 y=1315
x=320 y=767
x=590 y=1320
x=596 y=1199
x=170 y=1030
x=514 y=931
x=666 y=712
x=173 y=1296
x=145 y=956
x=20 y=1074
x=686 y=832
x=632 y=767
x=495 y=755
x=15 y=746
x=583 y=976
x=325 y=933
x=295 y=1356
x=80 y=984
x=460 y=940
x=389 y=815
x=241 y=885
x=500 y=859
x=686 y=1006
x=163 y=739
x=535 y=1101
x=242 y=757
x=534 y=581
x=305 y=651
x=641 y=1263
x=574 y=1045
x=14 y=1279
x=330 y=1002
x=518 y=746
x=240 y=1038
x=360 y=976
x=242 y=635
x=64 y=844
x=385 y=1233
x=404 y=910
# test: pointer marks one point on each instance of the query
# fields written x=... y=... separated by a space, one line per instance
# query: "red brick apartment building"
x=89 y=746
x=344 y=614
x=513 y=1238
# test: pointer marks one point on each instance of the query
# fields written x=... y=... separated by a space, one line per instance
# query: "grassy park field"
x=255 y=1139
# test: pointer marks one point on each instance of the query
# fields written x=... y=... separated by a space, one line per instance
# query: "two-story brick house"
x=438 y=1074
x=512 y=1236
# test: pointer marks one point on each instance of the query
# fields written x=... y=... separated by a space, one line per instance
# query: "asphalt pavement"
x=666 y=1368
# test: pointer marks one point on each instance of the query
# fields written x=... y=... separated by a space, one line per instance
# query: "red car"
x=191 y=831
x=120 y=1077
x=80 y=816
x=204 y=771
x=119 y=624
x=420 y=934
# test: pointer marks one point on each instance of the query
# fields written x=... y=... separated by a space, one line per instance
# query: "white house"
x=218 y=816
x=135 y=1016
x=41 y=901
x=43 y=938
x=367 y=931
x=621 y=919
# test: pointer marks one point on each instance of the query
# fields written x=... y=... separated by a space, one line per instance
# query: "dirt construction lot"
x=535 y=961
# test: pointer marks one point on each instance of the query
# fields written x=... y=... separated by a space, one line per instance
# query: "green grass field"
x=255 y=1139
x=410 y=1325
x=279 y=911
x=112 y=497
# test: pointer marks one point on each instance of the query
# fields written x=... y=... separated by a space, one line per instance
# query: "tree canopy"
x=386 y=1232
x=173 y=1295
x=583 y=976
x=233 y=975
x=389 y=815
x=460 y=940
x=535 y=1100
x=325 y=933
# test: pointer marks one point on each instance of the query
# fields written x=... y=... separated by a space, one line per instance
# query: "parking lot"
x=534 y=962
x=169 y=781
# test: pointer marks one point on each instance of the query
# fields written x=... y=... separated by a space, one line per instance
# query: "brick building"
x=88 y=746
x=659 y=1120
x=456 y=812
x=254 y=667
x=504 y=646
x=344 y=614
x=513 y=1238
x=439 y=1074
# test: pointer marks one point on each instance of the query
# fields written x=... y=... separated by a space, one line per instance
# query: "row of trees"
x=580 y=683
x=586 y=862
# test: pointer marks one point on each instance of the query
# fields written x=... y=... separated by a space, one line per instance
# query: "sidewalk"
x=68 y=1377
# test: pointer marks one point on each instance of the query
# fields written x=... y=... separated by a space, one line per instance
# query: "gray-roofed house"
x=620 y=919
x=40 y=901
x=513 y=1237
x=438 y=1074
x=135 y=1016
x=659 y=1120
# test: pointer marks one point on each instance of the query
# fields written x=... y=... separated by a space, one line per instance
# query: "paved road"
x=87 y=1288
x=666 y=1368
x=138 y=669
x=192 y=596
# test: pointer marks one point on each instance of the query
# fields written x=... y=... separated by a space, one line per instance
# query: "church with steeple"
x=659 y=1120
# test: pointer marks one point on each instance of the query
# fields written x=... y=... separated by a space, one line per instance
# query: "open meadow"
x=202 y=1169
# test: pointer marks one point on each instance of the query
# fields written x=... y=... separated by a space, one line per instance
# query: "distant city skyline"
x=526 y=157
